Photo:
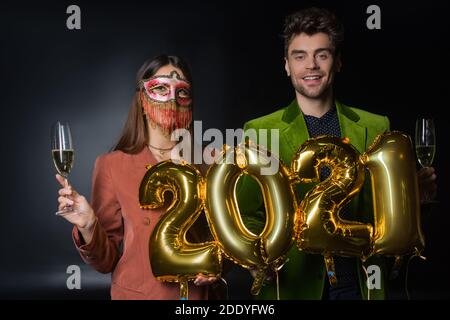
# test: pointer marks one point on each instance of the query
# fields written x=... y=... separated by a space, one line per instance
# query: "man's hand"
x=427 y=184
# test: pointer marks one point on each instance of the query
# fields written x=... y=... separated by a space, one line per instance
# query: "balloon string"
x=367 y=278
x=406 y=278
x=184 y=289
x=226 y=287
x=416 y=254
x=277 y=269
x=278 y=284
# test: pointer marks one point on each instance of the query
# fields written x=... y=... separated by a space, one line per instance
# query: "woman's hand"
x=82 y=216
x=203 y=280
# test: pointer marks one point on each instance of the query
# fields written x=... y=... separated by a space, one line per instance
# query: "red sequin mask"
x=167 y=101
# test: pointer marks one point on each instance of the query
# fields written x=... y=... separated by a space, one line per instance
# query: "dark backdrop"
x=86 y=76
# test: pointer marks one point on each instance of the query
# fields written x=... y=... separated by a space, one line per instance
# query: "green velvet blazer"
x=303 y=275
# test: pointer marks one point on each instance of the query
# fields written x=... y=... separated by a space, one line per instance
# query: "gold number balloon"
x=239 y=244
x=316 y=224
x=319 y=229
x=172 y=256
x=391 y=163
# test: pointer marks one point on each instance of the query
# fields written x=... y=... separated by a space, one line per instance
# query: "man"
x=313 y=39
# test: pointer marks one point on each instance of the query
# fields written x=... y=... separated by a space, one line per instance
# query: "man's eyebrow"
x=297 y=51
x=330 y=50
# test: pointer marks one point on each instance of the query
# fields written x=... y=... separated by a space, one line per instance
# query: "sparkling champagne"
x=425 y=154
x=63 y=160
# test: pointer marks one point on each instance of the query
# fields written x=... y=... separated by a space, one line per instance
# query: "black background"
x=86 y=76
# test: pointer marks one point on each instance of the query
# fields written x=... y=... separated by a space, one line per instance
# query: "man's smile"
x=312 y=79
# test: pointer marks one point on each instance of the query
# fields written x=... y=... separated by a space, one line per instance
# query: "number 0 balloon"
x=249 y=250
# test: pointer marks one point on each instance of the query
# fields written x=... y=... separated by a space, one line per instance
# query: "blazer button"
x=147 y=221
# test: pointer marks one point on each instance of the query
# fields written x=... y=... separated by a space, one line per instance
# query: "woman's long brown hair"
x=134 y=136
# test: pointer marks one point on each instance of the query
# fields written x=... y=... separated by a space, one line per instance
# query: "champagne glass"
x=62 y=153
x=425 y=143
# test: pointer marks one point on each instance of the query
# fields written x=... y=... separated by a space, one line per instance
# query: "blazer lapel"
x=294 y=134
x=296 y=131
x=350 y=128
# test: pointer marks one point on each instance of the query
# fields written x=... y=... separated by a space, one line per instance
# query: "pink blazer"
x=115 y=201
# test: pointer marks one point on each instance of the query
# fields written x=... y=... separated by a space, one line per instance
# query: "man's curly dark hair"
x=312 y=21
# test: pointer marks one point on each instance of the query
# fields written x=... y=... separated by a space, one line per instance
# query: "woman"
x=162 y=103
